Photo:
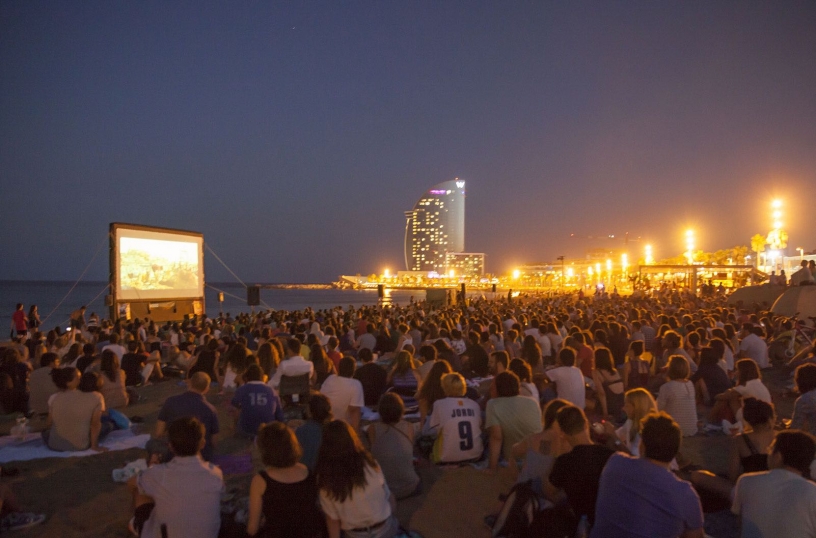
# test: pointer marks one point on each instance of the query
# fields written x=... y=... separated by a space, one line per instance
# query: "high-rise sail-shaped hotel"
x=435 y=231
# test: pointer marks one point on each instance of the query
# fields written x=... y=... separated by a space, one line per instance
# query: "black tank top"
x=291 y=509
x=757 y=461
x=205 y=363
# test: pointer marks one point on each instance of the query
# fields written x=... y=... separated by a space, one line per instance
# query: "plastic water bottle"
x=21 y=429
x=583 y=528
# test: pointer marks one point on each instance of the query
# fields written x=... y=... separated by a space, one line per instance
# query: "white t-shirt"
x=342 y=392
x=459 y=425
x=775 y=504
x=293 y=366
x=118 y=350
x=544 y=343
x=677 y=398
x=365 y=507
x=570 y=384
x=755 y=389
x=755 y=348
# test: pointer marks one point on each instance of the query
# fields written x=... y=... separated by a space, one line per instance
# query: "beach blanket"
x=33 y=447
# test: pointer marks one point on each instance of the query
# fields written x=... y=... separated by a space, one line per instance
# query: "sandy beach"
x=80 y=498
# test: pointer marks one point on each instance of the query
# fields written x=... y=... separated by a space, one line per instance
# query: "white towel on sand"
x=33 y=447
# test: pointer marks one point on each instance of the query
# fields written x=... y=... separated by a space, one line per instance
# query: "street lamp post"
x=561 y=259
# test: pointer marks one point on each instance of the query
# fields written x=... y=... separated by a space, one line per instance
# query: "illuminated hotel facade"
x=435 y=227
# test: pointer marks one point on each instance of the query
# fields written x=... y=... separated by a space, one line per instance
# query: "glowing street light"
x=386 y=273
x=690 y=246
x=624 y=262
x=451 y=273
x=801 y=253
x=516 y=274
x=648 y=258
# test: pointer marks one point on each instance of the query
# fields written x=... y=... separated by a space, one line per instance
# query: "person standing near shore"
x=78 y=319
x=19 y=322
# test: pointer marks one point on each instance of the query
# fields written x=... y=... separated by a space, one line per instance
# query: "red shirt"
x=19 y=319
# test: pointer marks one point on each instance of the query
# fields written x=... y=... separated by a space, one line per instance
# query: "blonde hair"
x=453 y=385
x=642 y=404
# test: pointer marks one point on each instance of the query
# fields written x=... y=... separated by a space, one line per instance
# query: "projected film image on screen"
x=153 y=265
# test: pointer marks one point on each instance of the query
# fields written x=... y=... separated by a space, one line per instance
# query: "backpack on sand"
x=516 y=517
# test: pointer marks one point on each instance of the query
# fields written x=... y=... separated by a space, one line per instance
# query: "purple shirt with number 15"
x=258 y=404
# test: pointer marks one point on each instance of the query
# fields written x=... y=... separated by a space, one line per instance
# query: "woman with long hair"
x=431 y=389
x=113 y=381
x=404 y=379
x=33 y=318
x=352 y=488
x=74 y=352
x=323 y=366
x=531 y=354
x=748 y=453
x=207 y=360
x=445 y=352
x=608 y=384
x=285 y=492
x=636 y=371
x=710 y=379
x=637 y=403
x=268 y=358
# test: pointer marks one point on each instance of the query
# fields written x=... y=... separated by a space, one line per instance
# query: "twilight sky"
x=293 y=135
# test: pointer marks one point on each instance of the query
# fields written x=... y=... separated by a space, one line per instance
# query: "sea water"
x=56 y=300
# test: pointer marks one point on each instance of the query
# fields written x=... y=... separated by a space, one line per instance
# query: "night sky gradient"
x=294 y=135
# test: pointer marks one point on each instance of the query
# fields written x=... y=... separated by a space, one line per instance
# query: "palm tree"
x=758 y=243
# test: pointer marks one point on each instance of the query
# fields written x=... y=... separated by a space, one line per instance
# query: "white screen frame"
x=121 y=232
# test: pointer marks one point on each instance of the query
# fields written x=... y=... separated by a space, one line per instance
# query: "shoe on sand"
x=21 y=520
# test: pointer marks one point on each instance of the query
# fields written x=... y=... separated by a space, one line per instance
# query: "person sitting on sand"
x=181 y=498
x=255 y=402
x=748 y=453
x=345 y=393
x=539 y=450
x=74 y=417
x=42 y=384
x=641 y=496
x=575 y=474
x=804 y=409
x=191 y=403
x=310 y=433
x=352 y=488
x=392 y=445
x=285 y=492
x=779 y=503
x=509 y=418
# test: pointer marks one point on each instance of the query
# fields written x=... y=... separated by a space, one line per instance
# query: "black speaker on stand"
x=253 y=295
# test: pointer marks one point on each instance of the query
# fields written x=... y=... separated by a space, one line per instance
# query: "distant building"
x=435 y=227
x=465 y=263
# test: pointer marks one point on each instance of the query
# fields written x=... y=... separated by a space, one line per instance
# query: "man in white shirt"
x=752 y=346
x=345 y=393
x=544 y=340
x=293 y=365
x=779 y=503
x=802 y=275
x=183 y=495
x=114 y=346
x=457 y=422
x=569 y=381
x=367 y=340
